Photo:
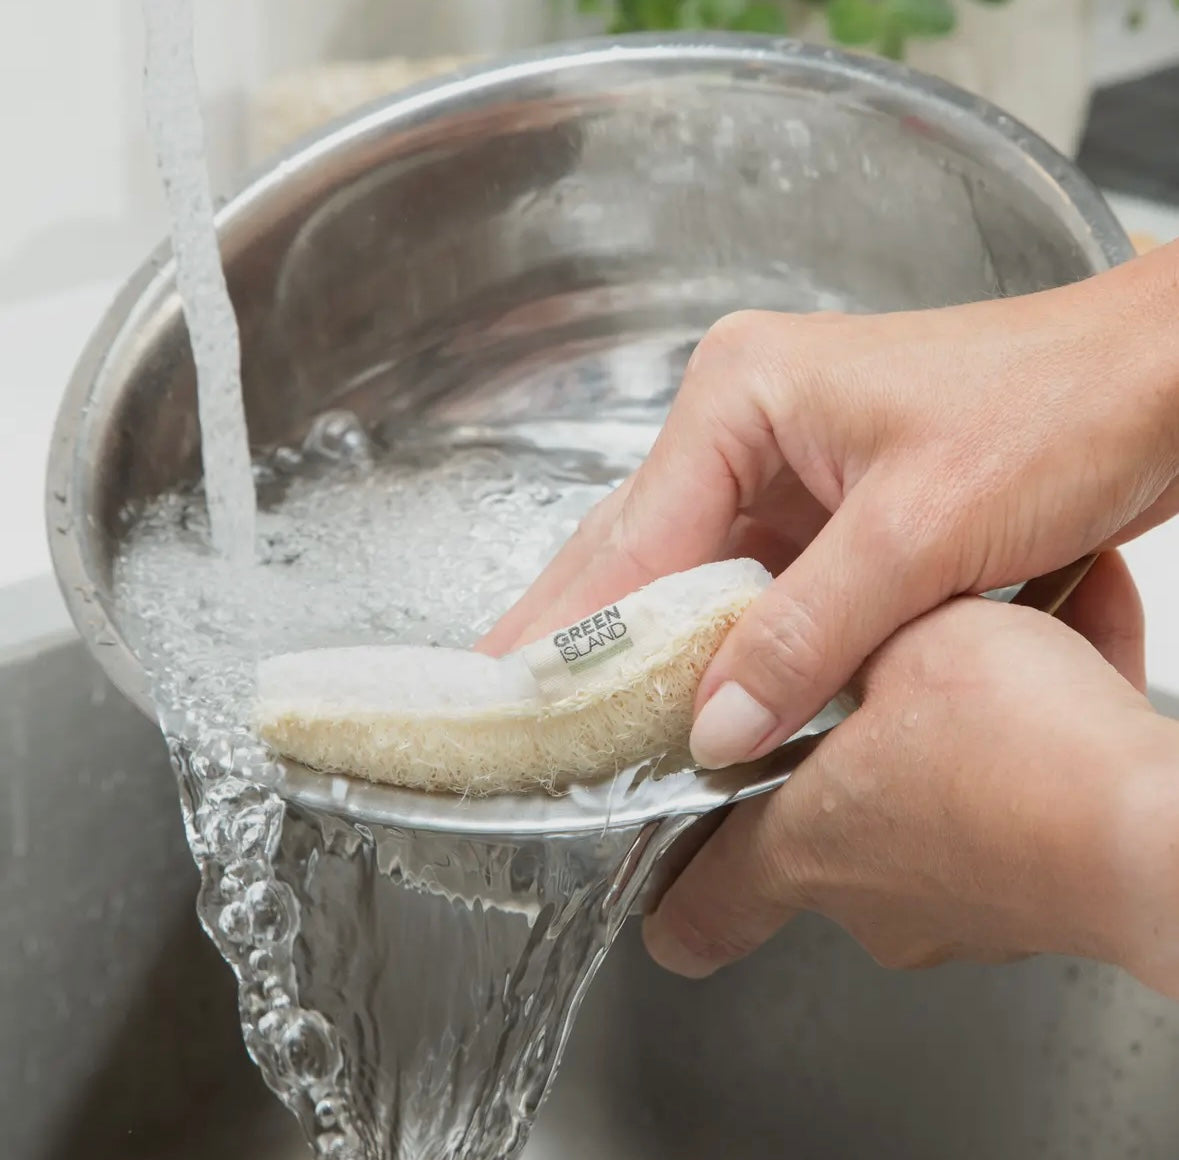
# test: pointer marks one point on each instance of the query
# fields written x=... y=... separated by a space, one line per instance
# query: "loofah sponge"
x=588 y=700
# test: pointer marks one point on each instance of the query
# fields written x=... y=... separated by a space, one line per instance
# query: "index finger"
x=676 y=512
x=557 y=575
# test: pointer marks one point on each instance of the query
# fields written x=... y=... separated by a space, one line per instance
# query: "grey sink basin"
x=118 y=1029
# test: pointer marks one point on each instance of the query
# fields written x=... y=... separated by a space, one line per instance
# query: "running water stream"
x=172 y=99
x=407 y=995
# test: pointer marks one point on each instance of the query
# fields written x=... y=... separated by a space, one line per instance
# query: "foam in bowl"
x=581 y=703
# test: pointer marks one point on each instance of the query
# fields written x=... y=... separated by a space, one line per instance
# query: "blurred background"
x=82 y=203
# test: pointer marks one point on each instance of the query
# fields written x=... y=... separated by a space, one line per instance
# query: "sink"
x=120 y=1040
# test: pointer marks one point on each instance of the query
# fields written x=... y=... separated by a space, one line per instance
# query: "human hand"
x=883 y=464
x=985 y=802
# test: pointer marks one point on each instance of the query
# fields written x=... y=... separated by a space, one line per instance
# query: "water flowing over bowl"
x=544 y=238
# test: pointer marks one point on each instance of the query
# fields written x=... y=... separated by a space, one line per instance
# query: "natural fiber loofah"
x=590 y=700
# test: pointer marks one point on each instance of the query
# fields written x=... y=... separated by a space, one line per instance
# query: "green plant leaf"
x=891 y=42
x=763 y=17
x=855 y=21
x=707 y=13
x=644 y=15
x=922 y=17
x=737 y=15
x=661 y=14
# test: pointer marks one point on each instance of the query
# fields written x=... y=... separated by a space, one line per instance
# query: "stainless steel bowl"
x=578 y=215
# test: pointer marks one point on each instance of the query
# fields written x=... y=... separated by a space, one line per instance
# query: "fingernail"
x=670 y=953
x=729 y=728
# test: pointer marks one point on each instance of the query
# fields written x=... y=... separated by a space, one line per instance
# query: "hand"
x=883 y=464
x=977 y=806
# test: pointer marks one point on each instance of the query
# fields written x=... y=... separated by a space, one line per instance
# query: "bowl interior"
x=544 y=240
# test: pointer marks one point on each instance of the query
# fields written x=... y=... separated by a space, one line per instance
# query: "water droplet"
x=234 y=923
x=286 y=460
x=272 y=1025
x=269 y=912
x=261 y=961
x=253 y=1002
x=253 y=830
x=307 y=1051
x=337 y=1146
x=338 y=436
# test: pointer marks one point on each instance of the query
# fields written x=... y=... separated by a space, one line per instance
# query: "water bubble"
x=286 y=460
x=253 y=830
x=337 y=1146
x=234 y=923
x=269 y=911
x=306 y=1049
x=252 y=1002
x=199 y=767
x=214 y=828
x=264 y=474
x=272 y=1025
x=338 y=436
x=327 y=1115
x=261 y=961
x=238 y=876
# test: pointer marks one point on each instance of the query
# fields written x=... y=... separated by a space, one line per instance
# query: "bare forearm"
x=1135 y=312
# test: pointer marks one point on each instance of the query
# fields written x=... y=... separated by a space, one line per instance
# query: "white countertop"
x=40 y=340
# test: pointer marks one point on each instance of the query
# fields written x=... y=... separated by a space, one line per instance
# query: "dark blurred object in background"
x=1131 y=144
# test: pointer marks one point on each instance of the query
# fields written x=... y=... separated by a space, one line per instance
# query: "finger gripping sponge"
x=585 y=701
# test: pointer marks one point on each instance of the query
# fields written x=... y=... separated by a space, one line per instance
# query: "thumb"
x=869 y=571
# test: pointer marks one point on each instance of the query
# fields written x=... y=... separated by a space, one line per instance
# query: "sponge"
x=583 y=702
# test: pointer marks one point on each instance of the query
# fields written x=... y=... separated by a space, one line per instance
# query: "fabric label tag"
x=585 y=655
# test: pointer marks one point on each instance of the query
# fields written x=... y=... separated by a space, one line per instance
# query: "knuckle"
x=590 y=525
x=713 y=938
x=630 y=542
x=894 y=958
x=901 y=948
x=603 y=515
x=634 y=555
x=921 y=536
x=920 y=957
x=783 y=649
x=901 y=529
x=735 y=332
x=728 y=349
